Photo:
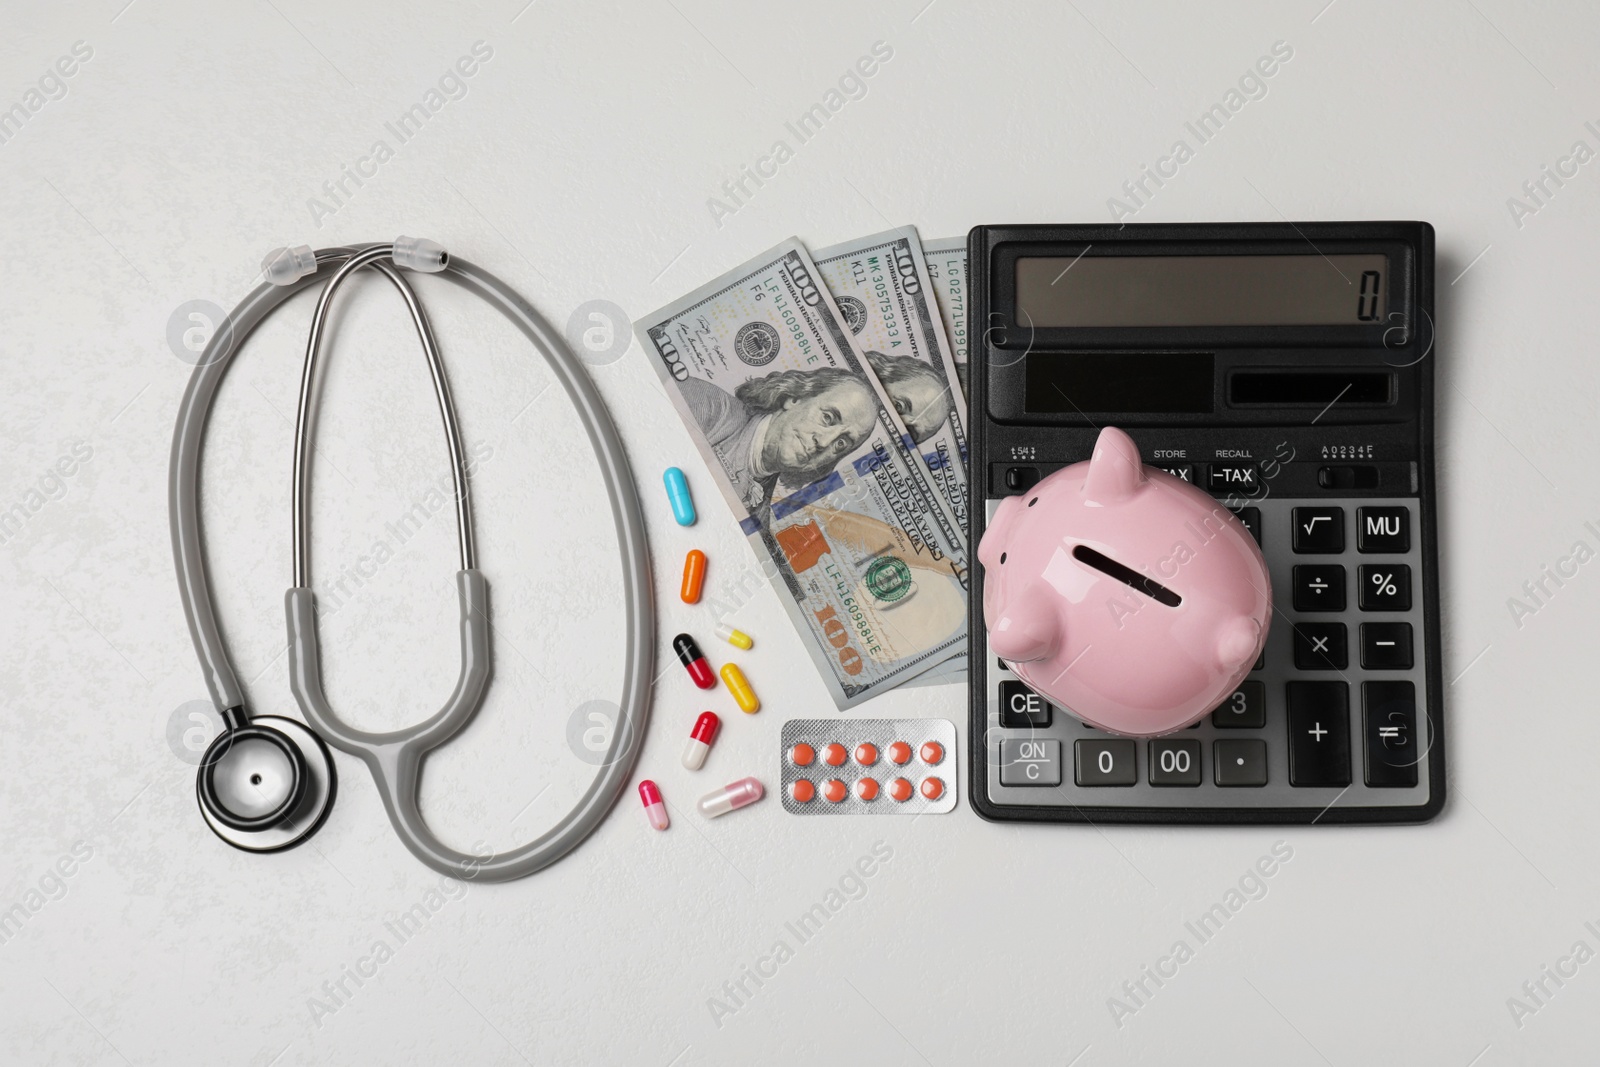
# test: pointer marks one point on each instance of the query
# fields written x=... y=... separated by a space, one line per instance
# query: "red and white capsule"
x=655 y=809
x=700 y=738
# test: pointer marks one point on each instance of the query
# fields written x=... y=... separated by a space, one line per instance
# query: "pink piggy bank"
x=1123 y=594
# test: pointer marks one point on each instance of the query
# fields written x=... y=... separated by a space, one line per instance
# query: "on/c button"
x=1025 y=761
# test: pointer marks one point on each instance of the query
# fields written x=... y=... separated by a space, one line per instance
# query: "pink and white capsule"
x=731 y=797
x=700 y=738
x=655 y=809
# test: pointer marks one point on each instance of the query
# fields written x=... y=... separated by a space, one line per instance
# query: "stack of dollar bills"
x=826 y=391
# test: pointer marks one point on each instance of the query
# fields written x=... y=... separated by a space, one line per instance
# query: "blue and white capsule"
x=678 y=496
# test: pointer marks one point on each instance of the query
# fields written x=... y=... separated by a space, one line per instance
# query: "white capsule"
x=730 y=797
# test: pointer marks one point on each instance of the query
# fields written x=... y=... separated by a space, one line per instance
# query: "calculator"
x=1287 y=369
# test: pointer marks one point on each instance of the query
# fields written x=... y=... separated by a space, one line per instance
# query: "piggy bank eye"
x=1002 y=557
x=1032 y=502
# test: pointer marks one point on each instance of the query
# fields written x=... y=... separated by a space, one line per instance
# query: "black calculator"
x=1287 y=369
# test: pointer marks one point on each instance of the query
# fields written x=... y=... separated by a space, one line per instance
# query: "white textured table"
x=603 y=152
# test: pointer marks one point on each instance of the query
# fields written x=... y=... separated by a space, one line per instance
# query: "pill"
x=867 y=789
x=932 y=752
x=932 y=788
x=739 y=686
x=834 y=755
x=694 y=576
x=900 y=753
x=901 y=790
x=802 y=790
x=654 y=808
x=731 y=797
x=866 y=754
x=694 y=661
x=835 y=791
x=734 y=637
x=678 y=496
x=802 y=755
x=700 y=738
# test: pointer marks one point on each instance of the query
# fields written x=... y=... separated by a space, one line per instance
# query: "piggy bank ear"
x=1029 y=626
x=1114 y=470
x=998 y=531
x=1236 y=641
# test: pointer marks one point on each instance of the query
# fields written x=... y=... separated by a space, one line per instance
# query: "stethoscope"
x=267 y=783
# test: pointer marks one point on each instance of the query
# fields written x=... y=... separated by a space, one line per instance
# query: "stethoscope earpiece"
x=265 y=784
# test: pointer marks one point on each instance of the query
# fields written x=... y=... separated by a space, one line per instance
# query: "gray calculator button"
x=1174 y=762
x=1240 y=762
x=1245 y=708
x=1025 y=761
x=1106 y=762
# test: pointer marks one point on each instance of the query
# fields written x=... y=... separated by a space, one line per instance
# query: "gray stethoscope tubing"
x=395 y=758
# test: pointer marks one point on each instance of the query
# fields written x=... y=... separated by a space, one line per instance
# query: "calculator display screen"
x=1290 y=290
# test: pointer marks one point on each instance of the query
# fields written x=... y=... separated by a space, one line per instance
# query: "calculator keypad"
x=1331 y=714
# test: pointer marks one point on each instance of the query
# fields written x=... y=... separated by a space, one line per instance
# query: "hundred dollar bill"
x=798 y=437
x=881 y=285
x=947 y=263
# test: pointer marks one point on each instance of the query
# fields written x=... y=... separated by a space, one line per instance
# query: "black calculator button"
x=1319 y=587
x=1390 y=713
x=1235 y=478
x=1321 y=646
x=1383 y=529
x=1174 y=762
x=1240 y=762
x=1318 y=529
x=1245 y=708
x=1251 y=517
x=1319 y=733
x=1021 y=708
x=1386 y=646
x=1183 y=472
x=1384 y=586
x=1106 y=762
x=1021 y=479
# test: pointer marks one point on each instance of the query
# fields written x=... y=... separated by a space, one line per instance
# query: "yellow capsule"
x=739 y=686
x=694 y=576
x=736 y=638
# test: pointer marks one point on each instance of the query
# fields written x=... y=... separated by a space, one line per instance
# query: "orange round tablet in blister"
x=900 y=790
x=867 y=788
x=802 y=790
x=866 y=754
x=834 y=755
x=932 y=752
x=802 y=754
x=932 y=788
x=835 y=790
x=900 y=753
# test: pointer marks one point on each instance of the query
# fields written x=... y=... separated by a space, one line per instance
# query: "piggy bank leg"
x=1029 y=626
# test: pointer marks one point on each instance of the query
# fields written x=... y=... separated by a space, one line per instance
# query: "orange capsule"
x=694 y=576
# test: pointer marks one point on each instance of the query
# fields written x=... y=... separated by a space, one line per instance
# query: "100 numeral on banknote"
x=759 y=365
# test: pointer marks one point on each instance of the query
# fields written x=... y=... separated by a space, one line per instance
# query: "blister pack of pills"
x=869 y=766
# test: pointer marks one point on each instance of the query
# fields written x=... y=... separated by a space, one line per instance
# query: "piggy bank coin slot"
x=1127 y=575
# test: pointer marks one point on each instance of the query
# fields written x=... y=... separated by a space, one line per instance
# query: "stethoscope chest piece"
x=265 y=784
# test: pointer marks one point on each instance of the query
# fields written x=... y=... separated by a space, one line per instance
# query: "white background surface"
x=578 y=166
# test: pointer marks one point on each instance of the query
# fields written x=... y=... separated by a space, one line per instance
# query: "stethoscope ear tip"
x=266 y=784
